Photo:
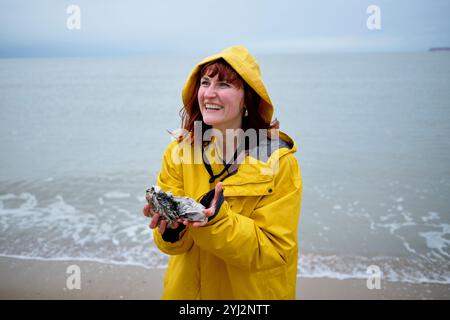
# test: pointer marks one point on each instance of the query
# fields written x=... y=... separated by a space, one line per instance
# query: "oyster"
x=172 y=208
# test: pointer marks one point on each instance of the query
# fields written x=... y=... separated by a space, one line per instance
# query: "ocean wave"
x=116 y=195
x=393 y=269
x=55 y=228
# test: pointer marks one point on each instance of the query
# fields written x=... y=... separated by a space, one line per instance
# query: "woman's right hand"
x=156 y=220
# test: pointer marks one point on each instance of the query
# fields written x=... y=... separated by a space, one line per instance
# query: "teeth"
x=213 y=106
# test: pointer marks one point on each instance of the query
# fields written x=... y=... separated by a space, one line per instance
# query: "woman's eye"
x=204 y=83
x=224 y=85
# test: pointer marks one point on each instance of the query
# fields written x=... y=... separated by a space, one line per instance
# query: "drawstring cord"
x=225 y=169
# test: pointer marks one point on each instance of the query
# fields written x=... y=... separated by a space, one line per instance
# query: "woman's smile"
x=213 y=107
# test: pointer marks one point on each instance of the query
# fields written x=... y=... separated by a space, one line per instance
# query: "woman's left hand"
x=209 y=211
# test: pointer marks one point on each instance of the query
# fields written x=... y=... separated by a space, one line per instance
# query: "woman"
x=252 y=191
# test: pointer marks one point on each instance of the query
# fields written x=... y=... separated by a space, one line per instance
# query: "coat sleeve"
x=266 y=238
x=170 y=179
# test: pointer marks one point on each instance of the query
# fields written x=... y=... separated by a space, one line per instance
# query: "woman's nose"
x=210 y=92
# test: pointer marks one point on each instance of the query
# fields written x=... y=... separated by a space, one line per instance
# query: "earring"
x=245 y=112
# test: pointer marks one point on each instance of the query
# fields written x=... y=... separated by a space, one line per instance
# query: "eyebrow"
x=205 y=77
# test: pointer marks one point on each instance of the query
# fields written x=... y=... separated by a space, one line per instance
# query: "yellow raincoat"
x=249 y=249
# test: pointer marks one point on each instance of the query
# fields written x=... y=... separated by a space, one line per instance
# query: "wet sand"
x=37 y=279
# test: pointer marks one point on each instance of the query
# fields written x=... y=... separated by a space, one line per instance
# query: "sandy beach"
x=38 y=279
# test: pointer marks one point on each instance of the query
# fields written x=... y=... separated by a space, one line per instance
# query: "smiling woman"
x=228 y=85
x=221 y=100
x=247 y=247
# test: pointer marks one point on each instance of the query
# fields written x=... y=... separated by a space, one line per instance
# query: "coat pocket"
x=249 y=189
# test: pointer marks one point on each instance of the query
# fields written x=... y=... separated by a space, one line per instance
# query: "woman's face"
x=221 y=103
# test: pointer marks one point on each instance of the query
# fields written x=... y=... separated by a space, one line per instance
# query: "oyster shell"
x=172 y=208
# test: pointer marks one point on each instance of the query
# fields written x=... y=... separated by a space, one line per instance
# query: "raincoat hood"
x=240 y=59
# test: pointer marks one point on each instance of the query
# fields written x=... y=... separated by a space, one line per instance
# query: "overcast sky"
x=108 y=27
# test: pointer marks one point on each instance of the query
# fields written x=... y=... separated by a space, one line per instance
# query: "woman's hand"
x=208 y=212
x=156 y=219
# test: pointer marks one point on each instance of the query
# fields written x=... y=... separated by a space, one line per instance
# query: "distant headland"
x=439 y=49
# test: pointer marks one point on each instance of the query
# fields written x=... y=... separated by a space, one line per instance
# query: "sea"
x=82 y=138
